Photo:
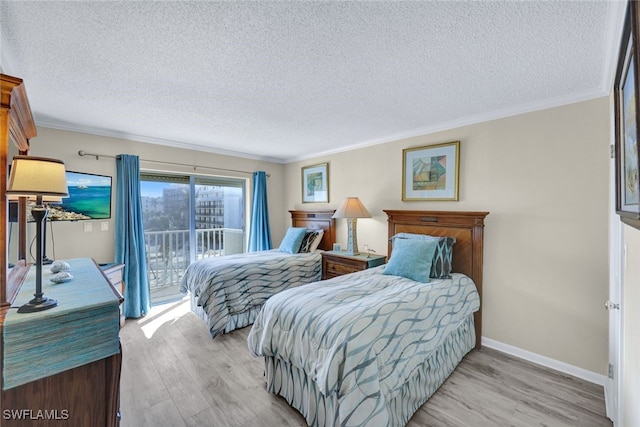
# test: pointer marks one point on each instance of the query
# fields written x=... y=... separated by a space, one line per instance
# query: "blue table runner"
x=83 y=328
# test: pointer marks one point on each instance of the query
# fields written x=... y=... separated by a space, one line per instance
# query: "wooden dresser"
x=43 y=382
x=83 y=396
x=83 y=387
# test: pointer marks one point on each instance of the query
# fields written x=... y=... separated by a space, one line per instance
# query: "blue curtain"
x=130 y=248
x=259 y=231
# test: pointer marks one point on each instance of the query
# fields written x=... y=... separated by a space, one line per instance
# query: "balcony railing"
x=169 y=254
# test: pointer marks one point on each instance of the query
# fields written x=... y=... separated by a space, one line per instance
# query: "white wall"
x=543 y=177
x=70 y=239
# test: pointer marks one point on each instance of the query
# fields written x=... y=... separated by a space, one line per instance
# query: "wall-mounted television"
x=89 y=198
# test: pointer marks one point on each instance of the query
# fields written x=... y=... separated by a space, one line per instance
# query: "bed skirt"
x=235 y=321
x=318 y=410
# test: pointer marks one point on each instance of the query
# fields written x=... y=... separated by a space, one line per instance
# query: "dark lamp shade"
x=37 y=176
x=351 y=207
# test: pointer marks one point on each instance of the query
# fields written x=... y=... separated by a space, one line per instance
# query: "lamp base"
x=38 y=304
x=352 y=237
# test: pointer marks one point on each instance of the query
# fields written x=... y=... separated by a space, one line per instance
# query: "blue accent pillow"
x=411 y=258
x=442 y=262
x=292 y=240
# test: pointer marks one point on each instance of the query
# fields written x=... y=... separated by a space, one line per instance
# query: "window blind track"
x=83 y=153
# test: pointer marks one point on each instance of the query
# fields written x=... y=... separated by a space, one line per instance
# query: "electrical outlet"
x=104 y=226
x=88 y=227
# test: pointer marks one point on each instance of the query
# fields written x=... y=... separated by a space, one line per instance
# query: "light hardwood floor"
x=175 y=375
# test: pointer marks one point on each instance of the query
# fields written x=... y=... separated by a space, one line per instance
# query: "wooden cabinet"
x=16 y=129
x=84 y=395
x=337 y=263
x=84 y=389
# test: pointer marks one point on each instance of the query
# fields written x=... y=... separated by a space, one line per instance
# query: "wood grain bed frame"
x=317 y=220
x=466 y=227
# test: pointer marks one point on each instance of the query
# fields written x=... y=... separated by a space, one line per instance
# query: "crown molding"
x=157 y=141
x=467 y=121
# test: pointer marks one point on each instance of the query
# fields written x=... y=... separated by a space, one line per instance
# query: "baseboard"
x=546 y=361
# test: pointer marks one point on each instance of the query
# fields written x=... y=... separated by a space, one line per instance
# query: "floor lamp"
x=38 y=177
x=352 y=208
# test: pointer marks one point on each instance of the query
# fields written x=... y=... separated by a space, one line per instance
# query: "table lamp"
x=352 y=208
x=47 y=200
x=38 y=177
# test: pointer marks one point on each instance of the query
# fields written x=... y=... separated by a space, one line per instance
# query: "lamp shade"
x=37 y=176
x=351 y=207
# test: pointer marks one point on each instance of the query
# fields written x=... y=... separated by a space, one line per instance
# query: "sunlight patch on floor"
x=161 y=315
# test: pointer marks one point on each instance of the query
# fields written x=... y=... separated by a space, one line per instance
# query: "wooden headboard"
x=466 y=227
x=316 y=220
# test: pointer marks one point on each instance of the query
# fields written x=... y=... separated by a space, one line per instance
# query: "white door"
x=613 y=389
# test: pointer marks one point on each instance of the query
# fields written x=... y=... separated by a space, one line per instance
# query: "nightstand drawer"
x=333 y=267
x=338 y=263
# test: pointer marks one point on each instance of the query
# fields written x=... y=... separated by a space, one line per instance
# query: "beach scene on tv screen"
x=89 y=198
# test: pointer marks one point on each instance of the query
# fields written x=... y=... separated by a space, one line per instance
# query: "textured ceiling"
x=284 y=81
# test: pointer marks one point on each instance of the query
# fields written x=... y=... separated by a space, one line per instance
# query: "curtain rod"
x=83 y=153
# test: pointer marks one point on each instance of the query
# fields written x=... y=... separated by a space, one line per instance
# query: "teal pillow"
x=442 y=262
x=292 y=240
x=411 y=258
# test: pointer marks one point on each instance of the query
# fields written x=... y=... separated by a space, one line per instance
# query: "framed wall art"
x=315 y=183
x=626 y=122
x=431 y=172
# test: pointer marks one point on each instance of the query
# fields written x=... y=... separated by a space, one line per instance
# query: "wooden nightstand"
x=114 y=273
x=338 y=263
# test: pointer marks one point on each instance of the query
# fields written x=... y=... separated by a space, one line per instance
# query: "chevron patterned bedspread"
x=230 y=285
x=362 y=335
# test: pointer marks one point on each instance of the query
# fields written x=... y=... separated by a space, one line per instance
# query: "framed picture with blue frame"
x=626 y=118
x=315 y=183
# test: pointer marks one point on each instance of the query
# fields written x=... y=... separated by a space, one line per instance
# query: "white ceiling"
x=285 y=81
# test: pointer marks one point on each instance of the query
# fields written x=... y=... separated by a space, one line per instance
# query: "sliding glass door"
x=187 y=218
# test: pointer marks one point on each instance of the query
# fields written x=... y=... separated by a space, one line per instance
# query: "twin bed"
x=369 y=348
x=228 y=292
